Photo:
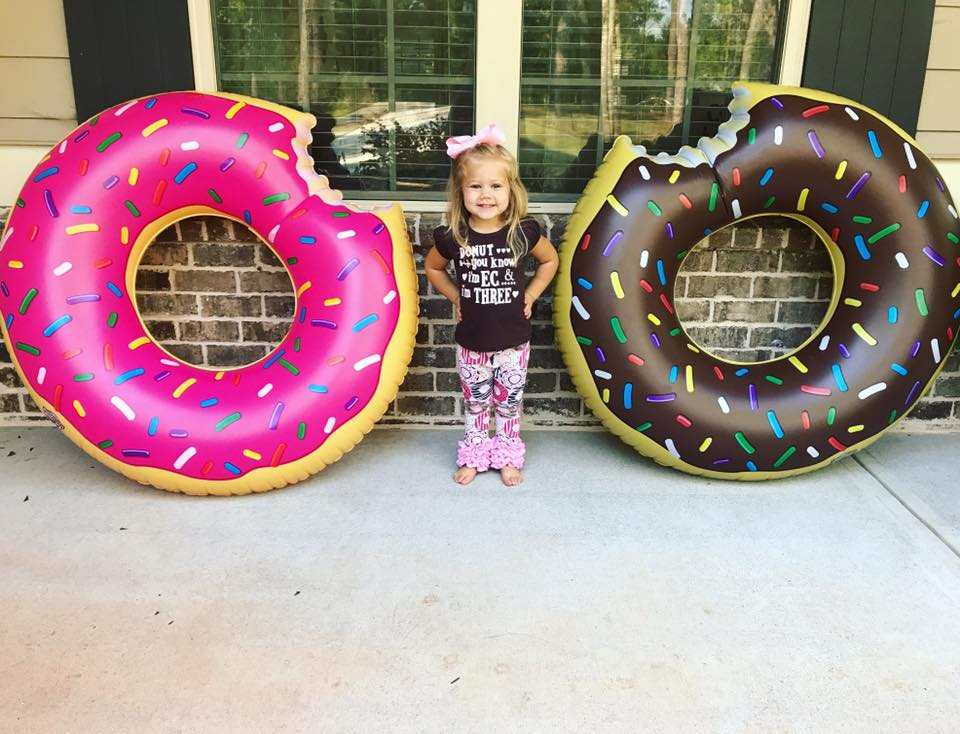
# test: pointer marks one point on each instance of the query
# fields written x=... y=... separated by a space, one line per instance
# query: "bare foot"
x=465 y=475
x=511 y=476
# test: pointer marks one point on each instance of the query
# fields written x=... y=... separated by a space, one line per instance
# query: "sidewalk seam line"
x=908 y=508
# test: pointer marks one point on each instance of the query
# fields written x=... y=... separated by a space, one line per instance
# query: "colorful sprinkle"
x=274 y=198
x=227 y=421
x=815 y=144
x=82 y=228
x=57 y=324
x=184 y=172
x=184 y=386
x=921 y=302
x=154 y=126
x=874 y=238
x=744 y=443
x=617 y=206
x=348 y=268
x=858 y=186
x=117 y=402
x=232 y=112
x=108 y=141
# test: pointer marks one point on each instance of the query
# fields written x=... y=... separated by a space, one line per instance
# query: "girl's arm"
x=435 y=266
x=546 y=255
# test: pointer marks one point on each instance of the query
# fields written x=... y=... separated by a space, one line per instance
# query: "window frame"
x=497 y=82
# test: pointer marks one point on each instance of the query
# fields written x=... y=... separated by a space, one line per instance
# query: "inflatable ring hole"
x=213 y=294
x=757 y=291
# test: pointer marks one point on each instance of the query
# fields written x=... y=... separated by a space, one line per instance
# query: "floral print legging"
x=499 y=376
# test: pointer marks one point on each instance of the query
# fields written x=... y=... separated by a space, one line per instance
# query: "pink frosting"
x=77 y=337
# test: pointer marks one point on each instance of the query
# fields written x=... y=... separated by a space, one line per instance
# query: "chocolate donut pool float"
x=870 y=195
x=68 y=262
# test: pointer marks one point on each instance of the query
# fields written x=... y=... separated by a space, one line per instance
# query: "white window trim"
x=499 y=38
x=202 y=46
x=795 y=42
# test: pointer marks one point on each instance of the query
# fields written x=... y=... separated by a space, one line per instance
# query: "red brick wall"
x=213 y=295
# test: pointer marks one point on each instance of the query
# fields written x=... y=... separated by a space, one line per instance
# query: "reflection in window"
x=388 y=80
x=656 y=70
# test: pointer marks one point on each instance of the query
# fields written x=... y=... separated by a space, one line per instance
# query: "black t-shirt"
x=491 y=287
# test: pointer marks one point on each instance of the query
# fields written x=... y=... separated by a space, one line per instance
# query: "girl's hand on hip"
x=528 y=305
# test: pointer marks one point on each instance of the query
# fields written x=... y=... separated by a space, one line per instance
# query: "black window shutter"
x=872 y=51
x=121 y=49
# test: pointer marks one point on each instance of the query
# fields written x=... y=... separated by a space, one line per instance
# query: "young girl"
x=488 y=240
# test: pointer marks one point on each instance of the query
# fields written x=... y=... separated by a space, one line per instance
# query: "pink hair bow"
x=491 y=135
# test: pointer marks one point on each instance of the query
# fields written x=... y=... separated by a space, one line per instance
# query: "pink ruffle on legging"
x=474 y=452
x=506 y=451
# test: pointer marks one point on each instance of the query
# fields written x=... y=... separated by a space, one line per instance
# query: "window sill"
x=438 y=206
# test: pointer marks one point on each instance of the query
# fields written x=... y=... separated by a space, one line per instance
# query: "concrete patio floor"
x=606 y=594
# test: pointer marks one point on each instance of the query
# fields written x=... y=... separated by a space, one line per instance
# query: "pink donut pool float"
x=68 y=262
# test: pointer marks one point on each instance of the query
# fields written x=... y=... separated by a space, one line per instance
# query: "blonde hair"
x=457 y=215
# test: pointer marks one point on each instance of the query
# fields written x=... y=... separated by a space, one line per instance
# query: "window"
x=388 y=80
x=656 y=70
